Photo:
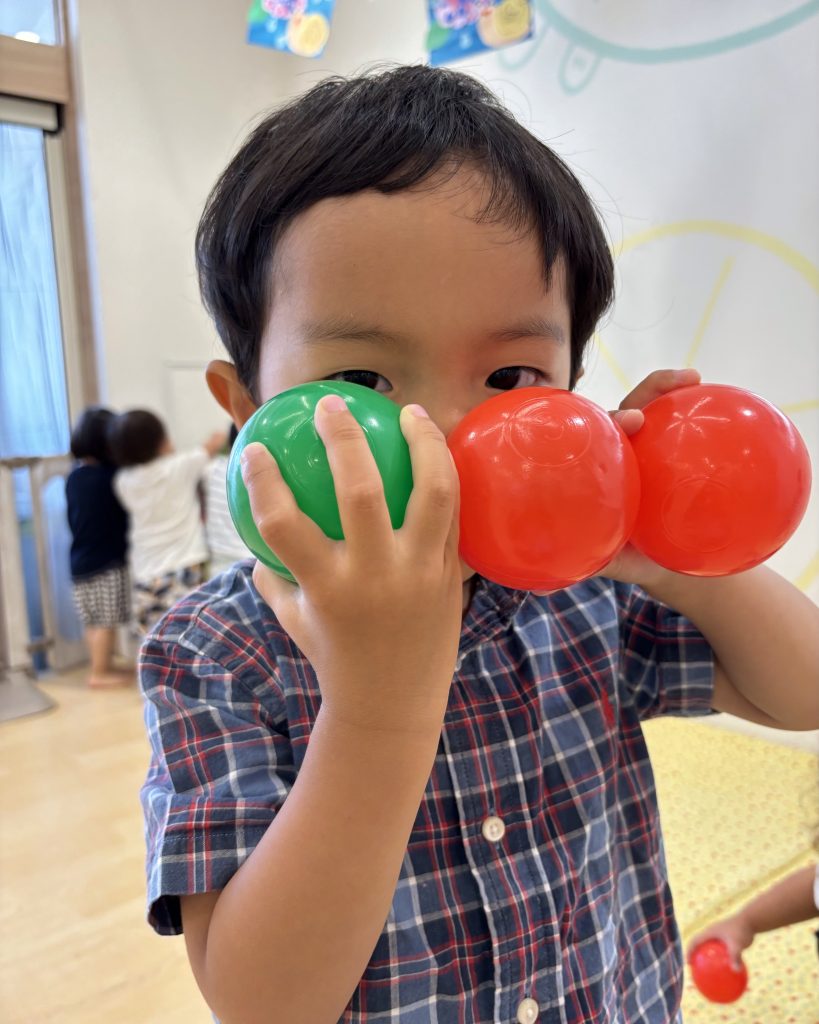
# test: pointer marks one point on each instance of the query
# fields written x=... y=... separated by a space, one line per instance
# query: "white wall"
x=694 y=130
x=168 y=91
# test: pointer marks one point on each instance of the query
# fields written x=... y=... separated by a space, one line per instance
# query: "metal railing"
x=19 y=694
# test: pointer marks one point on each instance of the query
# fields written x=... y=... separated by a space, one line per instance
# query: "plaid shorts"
x=152 y=598
x=104 y=600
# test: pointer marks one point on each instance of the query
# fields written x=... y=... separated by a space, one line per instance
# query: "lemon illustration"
x=504 y=24
x=307 y=34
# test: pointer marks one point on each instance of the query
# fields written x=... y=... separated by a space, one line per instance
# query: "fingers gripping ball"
x=549 y=488
x=714 y=975
x=725 y=480
x=284 y=425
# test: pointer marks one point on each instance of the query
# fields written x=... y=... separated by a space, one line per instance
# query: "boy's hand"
x=735 y=932
x=379 y=613
x=630 y=565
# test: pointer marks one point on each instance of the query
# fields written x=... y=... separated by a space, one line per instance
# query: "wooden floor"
x=74 y=945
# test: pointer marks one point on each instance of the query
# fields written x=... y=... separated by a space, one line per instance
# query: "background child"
x=224 y=544
x=158 y=487
x=98 y=524
x=792 y=900
x=396 y=790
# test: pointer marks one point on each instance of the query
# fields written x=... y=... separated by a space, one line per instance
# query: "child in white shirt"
x=224 y=543
x=158 y=488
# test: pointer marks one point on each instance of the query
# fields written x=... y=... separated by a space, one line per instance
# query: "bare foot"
x=111 y=680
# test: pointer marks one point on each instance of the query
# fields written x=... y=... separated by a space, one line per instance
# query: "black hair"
x=89 y=438
x=135 y=437
x=388 y=131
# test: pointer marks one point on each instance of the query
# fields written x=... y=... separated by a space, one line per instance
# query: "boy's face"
x=408 y=294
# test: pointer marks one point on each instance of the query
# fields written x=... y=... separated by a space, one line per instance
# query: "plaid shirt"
x=534 y=883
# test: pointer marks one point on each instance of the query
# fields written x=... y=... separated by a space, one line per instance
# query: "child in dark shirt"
x=99 y=527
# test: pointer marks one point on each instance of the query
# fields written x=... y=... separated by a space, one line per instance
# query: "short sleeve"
x=220 y=769
x=666 y=664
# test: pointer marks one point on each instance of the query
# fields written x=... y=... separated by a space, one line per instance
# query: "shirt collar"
x=490 y=611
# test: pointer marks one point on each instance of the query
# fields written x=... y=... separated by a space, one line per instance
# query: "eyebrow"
x=340 y=329
x=532 y=327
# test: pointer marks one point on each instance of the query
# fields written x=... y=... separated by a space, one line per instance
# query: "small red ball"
x=549 y=488
x=725 y=480
x=714 y=975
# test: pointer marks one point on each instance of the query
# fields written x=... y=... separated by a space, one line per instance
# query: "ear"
x=229 y=392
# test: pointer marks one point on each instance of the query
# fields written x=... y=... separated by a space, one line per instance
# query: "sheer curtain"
x=34 y=417
x=33 y=402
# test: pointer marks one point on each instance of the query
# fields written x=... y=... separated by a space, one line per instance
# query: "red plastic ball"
x=549 y=488
x=725 y=479
x=713 y=974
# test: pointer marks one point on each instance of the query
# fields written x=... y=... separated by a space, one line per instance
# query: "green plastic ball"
x=284 y=425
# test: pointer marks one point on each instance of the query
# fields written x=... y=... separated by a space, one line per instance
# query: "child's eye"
x=366 y=378
x=516 y=377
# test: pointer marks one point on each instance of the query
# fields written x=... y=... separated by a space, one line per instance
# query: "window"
x=33 y=21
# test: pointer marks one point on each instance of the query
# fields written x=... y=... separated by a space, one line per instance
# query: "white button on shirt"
x=493 y=829
x=527 y=1012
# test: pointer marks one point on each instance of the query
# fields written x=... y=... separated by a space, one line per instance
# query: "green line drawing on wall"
x=586 y=50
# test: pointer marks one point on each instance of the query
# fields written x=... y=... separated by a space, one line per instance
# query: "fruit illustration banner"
x=459 y=28
x=301 y=27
